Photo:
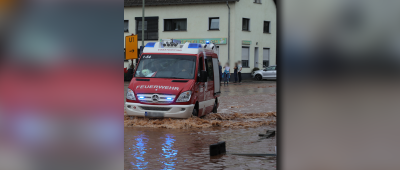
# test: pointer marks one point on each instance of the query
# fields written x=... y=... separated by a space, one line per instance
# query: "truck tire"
x=194 y=113
x=215 y=107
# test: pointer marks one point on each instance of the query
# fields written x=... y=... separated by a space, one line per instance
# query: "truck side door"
x=217 y=84
x=200 y=88
x=210 y=85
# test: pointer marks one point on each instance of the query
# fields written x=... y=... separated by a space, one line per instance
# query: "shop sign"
x=245 y=42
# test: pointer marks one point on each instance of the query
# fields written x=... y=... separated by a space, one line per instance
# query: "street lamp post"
x=143 y=24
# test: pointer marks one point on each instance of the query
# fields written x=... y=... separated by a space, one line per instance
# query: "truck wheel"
x=258 y=77
x=194 y=113
x=215 y=107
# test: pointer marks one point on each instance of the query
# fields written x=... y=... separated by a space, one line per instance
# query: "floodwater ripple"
x=245 y=111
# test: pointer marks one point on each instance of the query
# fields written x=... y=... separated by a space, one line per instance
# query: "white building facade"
x=252 y=27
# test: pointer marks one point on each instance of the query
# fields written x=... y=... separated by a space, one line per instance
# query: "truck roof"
x=187 y=48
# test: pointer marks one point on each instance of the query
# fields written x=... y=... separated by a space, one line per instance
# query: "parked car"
x=267 y=73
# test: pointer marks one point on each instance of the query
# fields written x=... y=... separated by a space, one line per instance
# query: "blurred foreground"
x=60 y=84
x=339 y=84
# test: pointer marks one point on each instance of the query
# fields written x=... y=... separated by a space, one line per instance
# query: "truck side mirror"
x=203 y=76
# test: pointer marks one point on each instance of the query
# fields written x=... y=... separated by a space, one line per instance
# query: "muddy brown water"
x=245 y=111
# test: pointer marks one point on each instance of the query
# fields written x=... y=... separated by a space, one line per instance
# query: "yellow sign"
x=131 y=47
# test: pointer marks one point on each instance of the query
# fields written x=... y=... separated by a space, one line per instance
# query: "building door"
x=256 y=57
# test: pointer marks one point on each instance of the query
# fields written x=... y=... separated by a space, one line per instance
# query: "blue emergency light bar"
x=194 y=45
x=207 y=42
x=150 y=44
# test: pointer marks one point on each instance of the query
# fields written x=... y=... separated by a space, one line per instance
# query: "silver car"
x=267 y=73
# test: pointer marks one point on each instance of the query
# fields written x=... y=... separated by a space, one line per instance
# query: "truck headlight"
x=130 y=95
x=184 y=97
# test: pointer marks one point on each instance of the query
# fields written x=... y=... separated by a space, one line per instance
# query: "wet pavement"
x=248 y=97
x=245 y=111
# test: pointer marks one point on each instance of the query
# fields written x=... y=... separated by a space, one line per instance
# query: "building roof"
x=132 y=3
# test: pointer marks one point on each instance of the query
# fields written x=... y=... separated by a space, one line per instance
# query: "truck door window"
x=209 y=68
x=200 y=66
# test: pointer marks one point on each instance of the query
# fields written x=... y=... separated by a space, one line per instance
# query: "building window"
x=266 y=26
x=213 y=24
x=175 y=24
x=126 y=26
x=257 y=1
x=140 y=26
x=150 y=28
x=265 y=63
x=245 y=56
x=265 y=57
x=209 y=68
x=246 y=24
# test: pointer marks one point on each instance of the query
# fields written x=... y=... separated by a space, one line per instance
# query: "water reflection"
x=138 y=151
x=168 y=154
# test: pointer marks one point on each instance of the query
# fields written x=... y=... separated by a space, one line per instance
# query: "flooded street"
x=245 y=110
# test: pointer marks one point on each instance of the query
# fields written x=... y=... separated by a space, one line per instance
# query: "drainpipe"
x=143 y=23
x=229 y=28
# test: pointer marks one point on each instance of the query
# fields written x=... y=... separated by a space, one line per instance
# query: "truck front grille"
x=162 y=98
x=156 y=108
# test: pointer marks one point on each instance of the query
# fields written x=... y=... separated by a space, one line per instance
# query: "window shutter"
x=245 y=53
x=266 y=54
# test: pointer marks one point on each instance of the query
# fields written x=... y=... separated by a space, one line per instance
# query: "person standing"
x=240 y=71
x=130 y=73
x=220 y=73
x=235 y=72
x=226 y=73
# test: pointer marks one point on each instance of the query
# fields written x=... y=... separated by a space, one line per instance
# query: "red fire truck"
x=174 y=80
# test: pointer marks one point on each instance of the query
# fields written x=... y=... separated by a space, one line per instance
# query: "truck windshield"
x=166 y=66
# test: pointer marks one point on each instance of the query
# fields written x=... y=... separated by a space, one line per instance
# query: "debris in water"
x=235 y=106
x=236 y=120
